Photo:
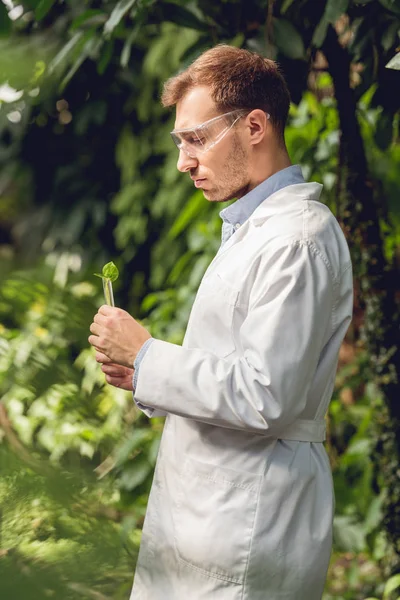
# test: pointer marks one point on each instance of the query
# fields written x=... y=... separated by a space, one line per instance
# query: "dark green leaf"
x=362 y=39
x=320 y=33
x=126 y=50
x=5 y=21
x=286 y=5
x=43 y=8
x=384 y=131
x=288 y=39
x=392 y=5
x=120 y=10
x=335 y=9
x=106 y=56
x=182 y=16
x=202 y=44
x=390 y=35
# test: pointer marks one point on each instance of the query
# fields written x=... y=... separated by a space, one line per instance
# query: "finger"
x=121 y=383
x=94 y=341
x=95 y=328
x=102 y=358
x=100 y=319
x=115 y=370
x=106 y=310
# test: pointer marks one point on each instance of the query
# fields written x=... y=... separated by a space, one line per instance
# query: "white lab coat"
x=242 y=501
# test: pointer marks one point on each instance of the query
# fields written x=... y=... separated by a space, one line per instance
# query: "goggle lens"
x=200 y=139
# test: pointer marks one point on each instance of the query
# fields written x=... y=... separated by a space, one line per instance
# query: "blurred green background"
x=88 y=175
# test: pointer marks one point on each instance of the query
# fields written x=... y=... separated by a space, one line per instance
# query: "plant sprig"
x=110 y=274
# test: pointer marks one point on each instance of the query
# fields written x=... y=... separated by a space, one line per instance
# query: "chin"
x=216 y=196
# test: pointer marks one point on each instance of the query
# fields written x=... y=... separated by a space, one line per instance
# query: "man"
x=242 y=501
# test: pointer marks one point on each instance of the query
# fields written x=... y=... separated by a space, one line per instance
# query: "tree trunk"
x=381 y=330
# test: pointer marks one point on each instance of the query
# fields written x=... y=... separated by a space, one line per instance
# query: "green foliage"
x=78 y=457
x=110 y=271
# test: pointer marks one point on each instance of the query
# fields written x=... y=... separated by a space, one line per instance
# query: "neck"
x=265 y=163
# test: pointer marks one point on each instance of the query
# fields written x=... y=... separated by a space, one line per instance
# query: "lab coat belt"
x=304 y=430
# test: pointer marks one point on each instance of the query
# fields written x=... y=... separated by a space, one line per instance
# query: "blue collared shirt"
x=235 y=215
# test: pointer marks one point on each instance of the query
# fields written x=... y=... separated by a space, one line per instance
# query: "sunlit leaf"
x=110 y=270
x=118 y=13
x=192 y=208
x=134 y=441
x=59 y=59
x=89 y=18
x=135 y=474
x=394 y=63
x=392 y=584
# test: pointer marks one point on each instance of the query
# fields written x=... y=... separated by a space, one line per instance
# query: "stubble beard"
x=234 y=179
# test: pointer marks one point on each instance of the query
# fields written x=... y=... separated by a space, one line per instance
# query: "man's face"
x=223 y=171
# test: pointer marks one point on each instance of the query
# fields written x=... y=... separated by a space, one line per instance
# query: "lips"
x=198 y=182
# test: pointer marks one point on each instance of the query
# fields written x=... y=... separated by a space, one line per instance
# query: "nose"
x=185 y=162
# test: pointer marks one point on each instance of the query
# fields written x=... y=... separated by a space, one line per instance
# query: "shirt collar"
x=238 y=212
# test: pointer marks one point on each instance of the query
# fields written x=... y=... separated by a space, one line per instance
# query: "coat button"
x=237 y=225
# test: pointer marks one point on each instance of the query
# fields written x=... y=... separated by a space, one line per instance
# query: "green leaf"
x=392 y=584
x=43 y=8
x=126 y=51
x=5 y=21
x=110 y=271
x=117 y=14
x=392 y=5
x=320 y=33
x=106 y=56
x=135 y=474
x=192 y=209
x=394 y=63
x=286 y=5
x=288 y=39
x=383 y=134
x=135 y=441
x=374 y=515
x=183 y=17
x=64 y=52
x=348 y=534
x=90 y=17
x=335 y=9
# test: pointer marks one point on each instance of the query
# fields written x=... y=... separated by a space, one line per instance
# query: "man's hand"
x=117 y=335
x=120 y=377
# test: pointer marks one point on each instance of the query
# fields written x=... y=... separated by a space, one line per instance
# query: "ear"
x=258 y=124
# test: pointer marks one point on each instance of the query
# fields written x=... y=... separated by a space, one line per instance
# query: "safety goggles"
x=200 y=139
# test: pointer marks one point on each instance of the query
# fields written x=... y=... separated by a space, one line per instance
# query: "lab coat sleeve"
x=289 y=320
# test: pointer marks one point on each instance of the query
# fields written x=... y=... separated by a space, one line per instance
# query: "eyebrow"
x=187 y=128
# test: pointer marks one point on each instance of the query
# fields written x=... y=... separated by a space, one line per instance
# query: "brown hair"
x=238 y=79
